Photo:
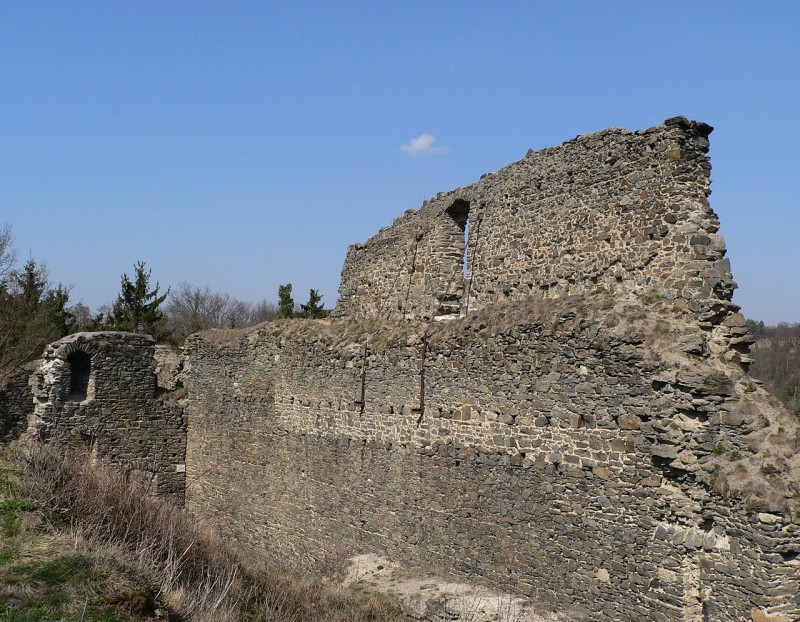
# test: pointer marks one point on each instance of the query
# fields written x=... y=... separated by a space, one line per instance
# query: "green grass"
x=82 y=538
x=43 y=578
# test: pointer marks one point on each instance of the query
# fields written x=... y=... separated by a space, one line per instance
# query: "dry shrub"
x=198 y=575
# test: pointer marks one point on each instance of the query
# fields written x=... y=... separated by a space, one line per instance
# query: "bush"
x=199 y=576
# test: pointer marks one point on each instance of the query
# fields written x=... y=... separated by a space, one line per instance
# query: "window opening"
x=80 y=368
x=459 y=212
x=451 y=301
x=465 y=261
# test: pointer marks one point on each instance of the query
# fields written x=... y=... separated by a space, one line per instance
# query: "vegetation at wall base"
x=80 y=542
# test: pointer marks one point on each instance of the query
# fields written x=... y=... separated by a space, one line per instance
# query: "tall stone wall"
x=624 y=210
x=582 y=430
x=562 y=452
x=98 y=390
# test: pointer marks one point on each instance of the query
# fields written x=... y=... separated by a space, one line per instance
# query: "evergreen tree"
x=285 y=302
x=137 y=307
x=32 y=314
x=313 y=308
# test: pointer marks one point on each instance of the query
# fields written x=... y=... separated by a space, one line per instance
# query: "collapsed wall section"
x=624 y=210
x=98 y=391
x=552 y=455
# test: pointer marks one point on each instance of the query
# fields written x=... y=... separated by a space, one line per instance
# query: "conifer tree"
x=137 y=307
x=313 y=308
x=285 y=302
x=32 y=314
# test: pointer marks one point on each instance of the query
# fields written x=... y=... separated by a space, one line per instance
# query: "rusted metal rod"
x=362 y=402
x=421 y=408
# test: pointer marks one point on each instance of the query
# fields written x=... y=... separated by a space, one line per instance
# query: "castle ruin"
x=536 y=382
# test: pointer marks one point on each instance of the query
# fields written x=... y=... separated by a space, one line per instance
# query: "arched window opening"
x=459 y=212
x=454 y=249
x=80 y=369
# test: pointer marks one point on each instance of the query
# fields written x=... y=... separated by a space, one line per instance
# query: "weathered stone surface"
x=559 y=438
x=16 y=405
x=97 y=390
x=599 y=210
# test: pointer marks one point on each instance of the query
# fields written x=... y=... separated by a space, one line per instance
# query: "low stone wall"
x=546 y=460
x=98 y=390
x=16 y=404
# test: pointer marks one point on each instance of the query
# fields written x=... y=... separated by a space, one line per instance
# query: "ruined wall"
x=412 y=269
x=16 y=404
x=627 y=211
x=557 y=455
x=584 y=433
x=581 y=431
x=99 y=390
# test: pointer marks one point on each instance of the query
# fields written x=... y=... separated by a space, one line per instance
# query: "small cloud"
x=424 y=144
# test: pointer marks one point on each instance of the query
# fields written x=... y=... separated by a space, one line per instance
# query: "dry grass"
x=197 y=575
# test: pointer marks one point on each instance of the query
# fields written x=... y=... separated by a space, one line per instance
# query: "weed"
x=769 y=469
x=8 y=552
x=198 y=576
x=718 y=449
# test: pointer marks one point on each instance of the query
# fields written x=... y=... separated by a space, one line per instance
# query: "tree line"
x=777 y=360
x=34 y=312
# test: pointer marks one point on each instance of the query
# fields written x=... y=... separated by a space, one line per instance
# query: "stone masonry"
x=16 y=405
x=582 y=430
x=624 y=210
x=98 y=390
x=578 y=425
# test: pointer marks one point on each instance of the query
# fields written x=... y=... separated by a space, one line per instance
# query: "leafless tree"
x=777 y=360
x=191 y=309
x=8 y=255
x=263 y=311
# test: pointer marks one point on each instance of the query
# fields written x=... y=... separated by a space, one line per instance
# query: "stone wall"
x=627 y=211
x=582 y=429
x=557 y=454
x=98 y=390
x=16 y=404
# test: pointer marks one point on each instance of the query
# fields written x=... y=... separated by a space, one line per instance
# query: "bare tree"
x=8 y=255
x=238 y=314
x=191 y=309
x=263 y=311
x=81 y=318
x=777 y=360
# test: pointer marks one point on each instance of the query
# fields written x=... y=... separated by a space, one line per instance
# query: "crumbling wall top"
x=627 y=211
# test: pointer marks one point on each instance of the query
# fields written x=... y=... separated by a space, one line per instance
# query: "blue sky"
x=242 y=144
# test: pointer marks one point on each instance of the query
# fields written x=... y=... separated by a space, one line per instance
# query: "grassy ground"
x=47 y=574
x=78 y=542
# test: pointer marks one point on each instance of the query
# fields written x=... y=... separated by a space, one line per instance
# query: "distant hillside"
x=777 y=361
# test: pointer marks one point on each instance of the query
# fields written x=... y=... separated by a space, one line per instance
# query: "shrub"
x=198 y=575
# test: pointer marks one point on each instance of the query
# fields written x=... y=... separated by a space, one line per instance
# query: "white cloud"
x=424 y=144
